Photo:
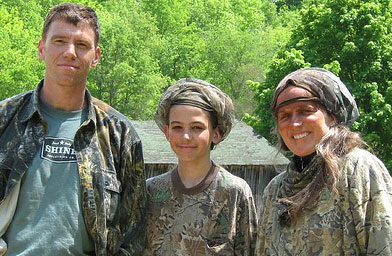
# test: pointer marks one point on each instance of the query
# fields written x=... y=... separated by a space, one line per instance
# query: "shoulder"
x=107 y=110
x=105 y=113
x=162 y=180
x=14 y=100
x=360 y=160
x=16 y=105
x=364 y=169
x=159 y=187
x=273 y=186
x=227 y=180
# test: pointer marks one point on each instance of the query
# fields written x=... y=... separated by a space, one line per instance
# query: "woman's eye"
x=283 y=117
x=307 y=111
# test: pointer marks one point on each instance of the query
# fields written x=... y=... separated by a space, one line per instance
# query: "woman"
x=334 y=198
x=198 y=208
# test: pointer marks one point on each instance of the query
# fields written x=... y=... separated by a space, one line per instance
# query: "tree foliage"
x=19 y=63
x=148 y=44
x=353 y=39
x=225 y=42
x=128 y=77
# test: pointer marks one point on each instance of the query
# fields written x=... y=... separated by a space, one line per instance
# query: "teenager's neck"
x=192 y=173
x=68 y=99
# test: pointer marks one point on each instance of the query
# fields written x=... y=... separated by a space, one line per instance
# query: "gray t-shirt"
x=48 y=218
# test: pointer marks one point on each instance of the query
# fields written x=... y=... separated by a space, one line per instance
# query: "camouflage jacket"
x=110 y=163
x=216 y=217
x=355 y=221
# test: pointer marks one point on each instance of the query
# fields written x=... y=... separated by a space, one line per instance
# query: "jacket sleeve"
x=370 y=199
x=133 y=199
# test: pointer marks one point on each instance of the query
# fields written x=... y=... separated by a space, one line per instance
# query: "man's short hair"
x=74 y=14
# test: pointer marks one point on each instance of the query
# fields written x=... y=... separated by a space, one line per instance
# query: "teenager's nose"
x=187 y=134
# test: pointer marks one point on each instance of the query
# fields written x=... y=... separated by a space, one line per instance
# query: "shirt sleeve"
x=246 y=225
x=370 y=200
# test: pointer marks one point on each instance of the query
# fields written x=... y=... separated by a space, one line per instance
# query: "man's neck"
x=68 y=99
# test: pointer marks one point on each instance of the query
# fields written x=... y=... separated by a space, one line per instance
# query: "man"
x=78 y=160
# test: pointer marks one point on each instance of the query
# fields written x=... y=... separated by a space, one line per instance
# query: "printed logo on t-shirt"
x=58 y=150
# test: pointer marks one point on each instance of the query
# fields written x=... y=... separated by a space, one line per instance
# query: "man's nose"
x=70 y=51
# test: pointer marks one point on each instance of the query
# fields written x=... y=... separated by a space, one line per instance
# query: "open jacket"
x=110 y=163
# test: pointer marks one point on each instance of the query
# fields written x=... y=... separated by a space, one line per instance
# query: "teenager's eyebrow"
x=197 y=122
x=175 y=122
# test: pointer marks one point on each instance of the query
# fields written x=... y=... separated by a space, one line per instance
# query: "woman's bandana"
x=324 y=86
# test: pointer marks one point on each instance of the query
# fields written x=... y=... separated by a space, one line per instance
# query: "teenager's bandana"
x=201 y=94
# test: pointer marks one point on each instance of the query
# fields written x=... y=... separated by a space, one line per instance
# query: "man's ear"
x=41 y=50
x=216 y=138
x=166 y=131
x=96 y=57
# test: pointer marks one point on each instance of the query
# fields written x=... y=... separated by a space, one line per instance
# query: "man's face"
x=68 y=51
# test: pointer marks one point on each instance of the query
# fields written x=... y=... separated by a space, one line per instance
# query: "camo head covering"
x=201 y=94
x=326 y=88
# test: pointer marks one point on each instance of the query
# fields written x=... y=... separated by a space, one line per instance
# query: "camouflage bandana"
x=201 y=94
x=325 y=86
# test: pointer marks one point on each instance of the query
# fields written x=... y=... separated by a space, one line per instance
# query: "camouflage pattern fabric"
x=327 y=87
x=201 y=94
x=355 y=221
x=110 y=163
x=219 y=220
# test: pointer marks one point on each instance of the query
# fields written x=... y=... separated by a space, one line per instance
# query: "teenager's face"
x=190 y=133
x=69 y=52
x=302 y=124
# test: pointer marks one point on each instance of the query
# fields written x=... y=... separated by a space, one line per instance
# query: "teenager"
x=198 y=208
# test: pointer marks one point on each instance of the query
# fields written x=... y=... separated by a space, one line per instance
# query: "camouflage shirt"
x=110 y=163
x=216 y=217
x=355 y=221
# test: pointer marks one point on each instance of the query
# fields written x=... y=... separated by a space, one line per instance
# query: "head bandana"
x=201 y=94
x=326 y=87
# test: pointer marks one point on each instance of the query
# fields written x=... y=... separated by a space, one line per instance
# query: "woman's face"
x=301 y=124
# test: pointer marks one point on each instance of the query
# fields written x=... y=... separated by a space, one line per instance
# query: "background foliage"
x=244 y=46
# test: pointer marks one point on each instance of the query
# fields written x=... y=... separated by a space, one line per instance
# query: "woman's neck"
x=302 y=161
